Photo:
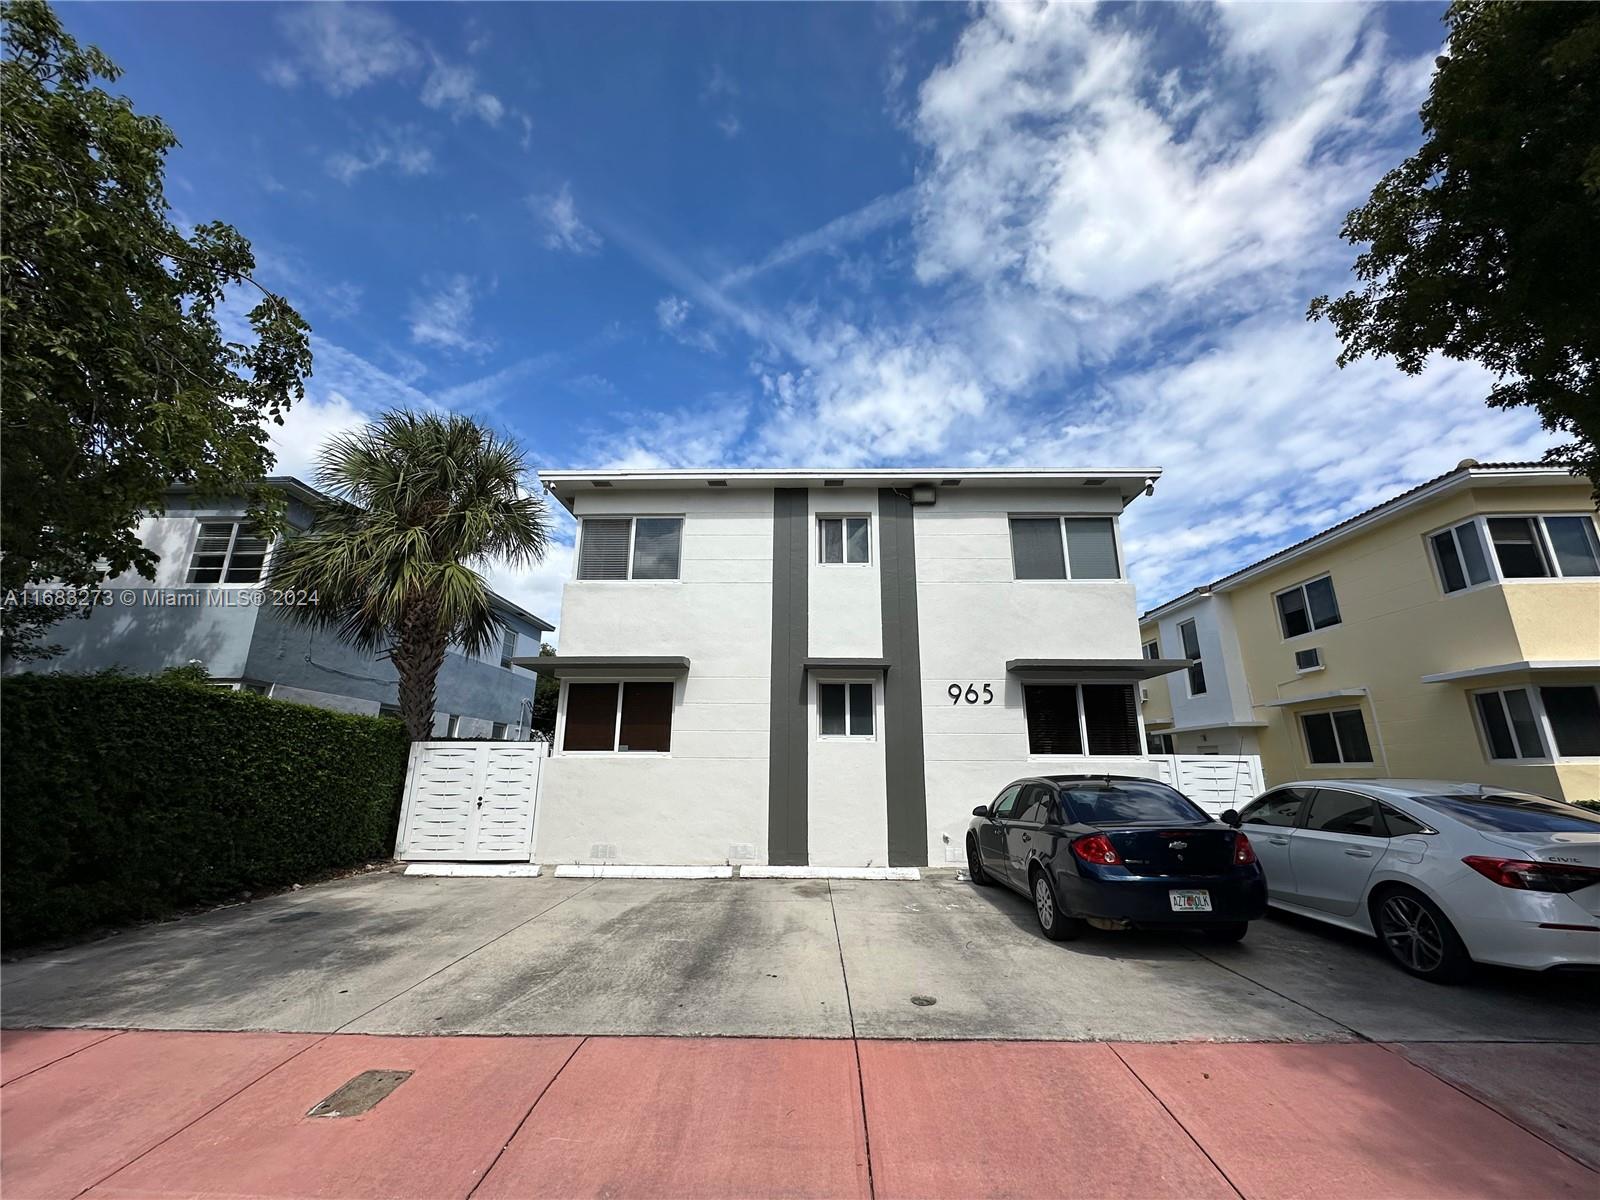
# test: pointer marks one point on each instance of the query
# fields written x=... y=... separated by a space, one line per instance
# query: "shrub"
x=125 y=798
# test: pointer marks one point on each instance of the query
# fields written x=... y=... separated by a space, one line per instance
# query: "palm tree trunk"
x=417 y=657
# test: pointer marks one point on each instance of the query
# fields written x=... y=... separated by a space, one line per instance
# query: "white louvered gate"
x=470 y=802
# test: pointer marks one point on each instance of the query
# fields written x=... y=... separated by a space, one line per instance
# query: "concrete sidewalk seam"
x=855 y=1045
x=1477 y=1099
x=1216 y=1166
x=361 y=1016
x=499 y=1154
x=318 y=1039
x=110 y=1033
x=1361 y=1037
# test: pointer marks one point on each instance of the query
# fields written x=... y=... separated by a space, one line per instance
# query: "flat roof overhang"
x=1515 y=668
x=1166 y=726
x=1336 y=694
x=606 y=666
x=843 y=665
x=1124 y=482
x=1118 y=670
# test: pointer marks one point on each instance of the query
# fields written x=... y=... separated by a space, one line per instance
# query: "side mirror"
x=1231 y=817
x=981 y=811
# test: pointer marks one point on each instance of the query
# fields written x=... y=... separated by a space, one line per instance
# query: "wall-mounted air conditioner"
x=1308 y=660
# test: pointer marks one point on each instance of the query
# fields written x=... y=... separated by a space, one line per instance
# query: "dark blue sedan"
x=1116 y=851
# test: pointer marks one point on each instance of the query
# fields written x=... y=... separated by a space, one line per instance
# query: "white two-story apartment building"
x=831 y=668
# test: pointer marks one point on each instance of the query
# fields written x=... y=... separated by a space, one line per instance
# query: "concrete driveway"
x=939 y=958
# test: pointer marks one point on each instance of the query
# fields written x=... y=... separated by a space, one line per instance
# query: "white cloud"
x=454 y=89
x=852 y=226
x=705 y=434
x=729 y=125
x=563 y=228
x=443 y=318
x=306 y=428
x=1084 y=208
x=344 y=47
x=672 y=314
x=398 y=148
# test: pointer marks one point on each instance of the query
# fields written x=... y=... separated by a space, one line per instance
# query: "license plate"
x=1199 y=901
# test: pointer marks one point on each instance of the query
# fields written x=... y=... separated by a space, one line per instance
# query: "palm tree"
x=417 y=503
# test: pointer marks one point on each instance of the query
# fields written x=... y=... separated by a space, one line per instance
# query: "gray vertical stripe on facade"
x=902 y=684
x=787 y=818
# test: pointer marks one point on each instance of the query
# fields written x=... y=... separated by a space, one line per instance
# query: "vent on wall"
x=716 y=483
x=1308 y=660
x=600 y=483
x=603 y=850
x=833 y=483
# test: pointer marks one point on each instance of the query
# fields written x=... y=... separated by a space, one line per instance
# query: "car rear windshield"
x=1130 y=804
x=1516 y=814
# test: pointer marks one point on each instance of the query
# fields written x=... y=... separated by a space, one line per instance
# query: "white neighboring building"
x=1210 y=709
x=831 y=668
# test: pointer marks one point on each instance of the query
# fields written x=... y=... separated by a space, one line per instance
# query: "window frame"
x=1152 y=648
x=1331 y=714
x=1534 y=693
x=1305 y=598
x=1497 y=577
x=633 y=520
x=844 y=538
x=1083 y=720
x=1197 y=659
x=508 y=647
x=1061 y=519
x=619 y=682
x=845 y=681
x=238 y=524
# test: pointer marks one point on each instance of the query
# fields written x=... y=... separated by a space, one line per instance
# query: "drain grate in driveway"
x=359 y=1095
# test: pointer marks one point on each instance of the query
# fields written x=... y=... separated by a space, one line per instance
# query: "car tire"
x=1418 y=937
x=1233 y=931
x=1052 y=923
x=975 y=864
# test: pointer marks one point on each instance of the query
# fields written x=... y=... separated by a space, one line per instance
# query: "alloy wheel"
x=1044 y=902
x=1412 y=935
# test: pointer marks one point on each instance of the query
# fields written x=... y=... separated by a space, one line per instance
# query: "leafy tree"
x=1485 y=243
x=546 y=697
x=418 y=501
x=118 y=379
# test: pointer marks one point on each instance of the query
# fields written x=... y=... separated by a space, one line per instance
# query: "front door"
x=1334 y=854
x=470 y=801
x=1270 y=823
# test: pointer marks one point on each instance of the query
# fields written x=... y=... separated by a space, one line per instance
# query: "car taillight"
x=1097 y=848
x=1529 y=876
x=1243 y=851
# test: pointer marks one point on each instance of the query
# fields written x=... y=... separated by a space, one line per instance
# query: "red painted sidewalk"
x=147 y=1115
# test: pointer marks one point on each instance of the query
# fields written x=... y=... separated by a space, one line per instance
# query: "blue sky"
x=846 y=235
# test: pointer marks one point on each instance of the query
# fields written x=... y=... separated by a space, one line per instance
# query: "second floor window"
x=1064 y=548
x=843 y=540
x=1152 y=650
x=1548 y=546
x=508 y=648
x=1307 y=606
x=630 y=548
x=1190 y=637
x=227 y=552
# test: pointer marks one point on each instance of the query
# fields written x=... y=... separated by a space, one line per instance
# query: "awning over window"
x=864 y=665
x=1514 y=668
x=606 y=666
x=1118 y=670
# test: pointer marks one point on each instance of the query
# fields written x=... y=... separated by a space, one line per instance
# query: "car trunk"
x=1558 y=849
x=1168 y=851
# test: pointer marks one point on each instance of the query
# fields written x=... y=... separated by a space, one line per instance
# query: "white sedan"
x=1443 y=874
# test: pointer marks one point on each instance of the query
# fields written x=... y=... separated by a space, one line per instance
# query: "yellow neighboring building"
x=1452 y=632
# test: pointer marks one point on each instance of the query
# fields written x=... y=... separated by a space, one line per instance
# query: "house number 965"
x=970 y=694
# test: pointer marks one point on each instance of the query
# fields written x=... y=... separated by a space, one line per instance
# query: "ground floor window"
x=1336 y=737
x=1160 y=743
x=845 y=710
x=1520 y=723
x=619 y=717
x=1082 y=718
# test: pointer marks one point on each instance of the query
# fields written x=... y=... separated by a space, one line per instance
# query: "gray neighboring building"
x=199 y=609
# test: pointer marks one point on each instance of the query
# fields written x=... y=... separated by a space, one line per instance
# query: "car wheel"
x=1233 y=931
x=975 y=864
x=1055 y=926
x=1419 y=937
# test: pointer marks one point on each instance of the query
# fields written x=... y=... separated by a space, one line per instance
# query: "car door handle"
x=1278 y=841
x=1027 y=837
x=1354 y=853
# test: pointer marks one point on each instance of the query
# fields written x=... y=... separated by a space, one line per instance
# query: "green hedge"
x=125 y=798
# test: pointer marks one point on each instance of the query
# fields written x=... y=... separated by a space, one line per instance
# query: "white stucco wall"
x=706 y=800
x=1227 y=695
x=973 y=617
